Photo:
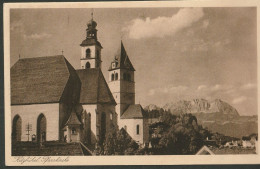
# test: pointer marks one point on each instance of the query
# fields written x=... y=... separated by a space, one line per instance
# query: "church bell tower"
x=91 y=47
x=121 y=80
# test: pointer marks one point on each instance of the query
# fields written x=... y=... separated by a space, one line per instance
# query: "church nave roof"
x=42 y=80
x=94 y=88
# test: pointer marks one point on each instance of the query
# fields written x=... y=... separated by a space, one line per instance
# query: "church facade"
x=51 y=101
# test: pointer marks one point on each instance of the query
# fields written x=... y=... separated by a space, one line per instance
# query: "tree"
x=180 y=135
x=118 y=142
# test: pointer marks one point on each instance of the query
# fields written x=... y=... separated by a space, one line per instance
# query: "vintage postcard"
x=131 y=83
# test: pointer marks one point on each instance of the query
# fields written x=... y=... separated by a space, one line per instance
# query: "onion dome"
x=92 y=24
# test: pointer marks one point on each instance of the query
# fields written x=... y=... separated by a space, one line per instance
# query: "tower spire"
x=91 y=47
x=92 y=14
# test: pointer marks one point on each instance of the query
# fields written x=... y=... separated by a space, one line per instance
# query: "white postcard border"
x=119 y=160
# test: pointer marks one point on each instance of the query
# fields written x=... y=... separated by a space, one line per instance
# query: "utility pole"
x=28 y=129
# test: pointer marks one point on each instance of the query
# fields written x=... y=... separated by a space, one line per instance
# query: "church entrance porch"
x=72 y=129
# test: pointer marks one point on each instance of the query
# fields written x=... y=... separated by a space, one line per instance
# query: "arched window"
x=112 y=77
x=128 y=77
x=88 y=53
x=137 y=129
x=17 y=128
x=125 y=127
x=87 y=65
x=41 y=128
x=116 y=77
x=124 y=76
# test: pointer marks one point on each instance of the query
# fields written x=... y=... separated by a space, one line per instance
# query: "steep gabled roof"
x=94 y=88
x=41 y=79
x=122 y=60
x=134 y=112
x=73 y=119
x=205 y=151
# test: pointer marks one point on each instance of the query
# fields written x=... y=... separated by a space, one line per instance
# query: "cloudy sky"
x=178 y=53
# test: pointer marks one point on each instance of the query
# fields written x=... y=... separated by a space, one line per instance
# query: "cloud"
x=37 y=36
x=163 y=26
x=215 y=88
x=167 y=90
x=151 y=92
x=205 y=24
x=16 y=26
x=248 y=86
x=239 y=100
x=201 y=87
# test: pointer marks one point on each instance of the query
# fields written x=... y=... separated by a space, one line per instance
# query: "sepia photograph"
x=134 y=81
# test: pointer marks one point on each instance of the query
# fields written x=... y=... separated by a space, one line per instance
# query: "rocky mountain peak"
x=201 y=106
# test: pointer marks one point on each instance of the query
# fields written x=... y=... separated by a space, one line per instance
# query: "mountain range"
x=216 y=116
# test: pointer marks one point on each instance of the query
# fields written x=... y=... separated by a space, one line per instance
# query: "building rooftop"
x=94 y=88
x=90 y=41
x=42 y=80
x=73 y=119
x=121 y=60
x=134 y=112
x=211 y=150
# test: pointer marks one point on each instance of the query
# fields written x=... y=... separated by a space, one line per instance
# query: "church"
x=52 y=101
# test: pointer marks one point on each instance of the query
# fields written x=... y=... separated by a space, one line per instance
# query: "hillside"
x=217 y=116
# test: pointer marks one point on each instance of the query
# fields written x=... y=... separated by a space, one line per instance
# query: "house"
x=205 y=151
x=249 y=141
x=211 y=150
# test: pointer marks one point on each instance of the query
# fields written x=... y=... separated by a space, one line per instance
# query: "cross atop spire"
x=92 y=14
